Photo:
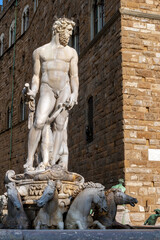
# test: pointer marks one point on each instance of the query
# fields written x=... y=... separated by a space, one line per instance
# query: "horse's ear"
x=10 y=185
x=58 y=184
x=51 y=183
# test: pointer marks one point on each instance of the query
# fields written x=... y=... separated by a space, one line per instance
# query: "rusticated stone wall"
x=141 y=103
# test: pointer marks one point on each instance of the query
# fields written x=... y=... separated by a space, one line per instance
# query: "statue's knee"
x=59 y=123
x=59 y=127
x=38 y=124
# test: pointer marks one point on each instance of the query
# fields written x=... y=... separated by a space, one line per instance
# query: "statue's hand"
x=72 y=100
x=31 y=94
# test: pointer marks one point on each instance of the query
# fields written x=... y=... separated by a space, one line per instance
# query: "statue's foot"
x=28 y=168
x=48 y=167
x=41 y=167
x=52 y=163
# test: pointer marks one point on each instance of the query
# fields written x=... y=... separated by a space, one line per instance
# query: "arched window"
x=22 y=109
x=97 y=17
x=74 y=40
x=12 y=33
x=1 y=44
x=9 y=117
x=35 y=4
x=25 y=19
x=89 y=127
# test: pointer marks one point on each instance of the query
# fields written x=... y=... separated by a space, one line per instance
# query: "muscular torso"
x=55 y=63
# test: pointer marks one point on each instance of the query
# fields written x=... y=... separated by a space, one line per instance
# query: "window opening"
x=35 y=5
x=74 y=40
x=25 y=19
x=1 y=44
x=11 y=33
x=22 y=109
x=97 y=17
x=89 y=128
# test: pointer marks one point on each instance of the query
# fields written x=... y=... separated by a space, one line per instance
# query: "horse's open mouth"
x=132 y=204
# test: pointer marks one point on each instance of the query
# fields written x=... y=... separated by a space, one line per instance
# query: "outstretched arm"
x=74 y=80
x=36 y=72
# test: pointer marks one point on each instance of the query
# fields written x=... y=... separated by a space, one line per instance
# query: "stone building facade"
x=114 y=131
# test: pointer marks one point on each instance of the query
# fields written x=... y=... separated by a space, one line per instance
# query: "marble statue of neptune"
x=55 y=72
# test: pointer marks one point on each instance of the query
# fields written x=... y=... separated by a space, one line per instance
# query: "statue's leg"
x=60 y=125
x=45 y=105
x=64 y=149
x=33 y=139
x=98 y=224
x=38 y=226
x=60 y=225
x=79 y=225
x=58 y=132
x=46 y=144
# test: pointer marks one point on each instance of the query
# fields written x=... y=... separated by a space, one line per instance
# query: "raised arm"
x=74 y=80
x=36 y=73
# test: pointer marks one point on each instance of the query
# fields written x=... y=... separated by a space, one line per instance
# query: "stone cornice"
x=135 y=13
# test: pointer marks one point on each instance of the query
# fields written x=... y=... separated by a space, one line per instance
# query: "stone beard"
x=63 y=39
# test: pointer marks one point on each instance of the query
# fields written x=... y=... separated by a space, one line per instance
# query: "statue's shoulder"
x=72 y=51
x=41 y=49
x=36 y=52
x=68 y=47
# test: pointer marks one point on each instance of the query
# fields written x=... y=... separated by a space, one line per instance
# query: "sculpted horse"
x=77 y=216
x=16 y=217
x=50 y=215
x=114 y=197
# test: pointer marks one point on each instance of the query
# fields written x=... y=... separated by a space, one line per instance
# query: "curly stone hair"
x=61 y=23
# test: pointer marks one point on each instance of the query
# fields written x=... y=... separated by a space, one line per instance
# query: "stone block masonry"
x=141 y=90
